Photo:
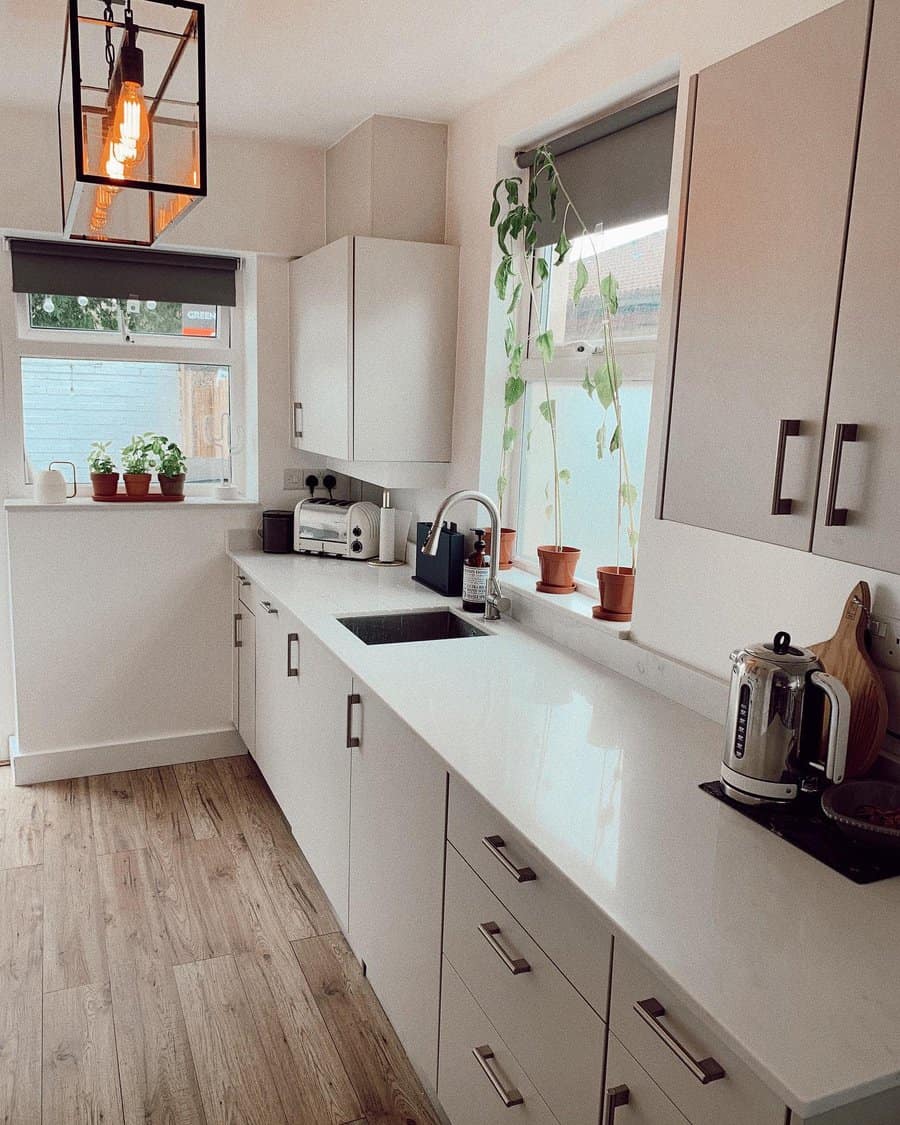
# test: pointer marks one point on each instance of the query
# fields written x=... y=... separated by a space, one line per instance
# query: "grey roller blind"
x=617 y=171
x=82 y=270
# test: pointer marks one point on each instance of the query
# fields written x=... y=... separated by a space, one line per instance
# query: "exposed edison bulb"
x=130 y=132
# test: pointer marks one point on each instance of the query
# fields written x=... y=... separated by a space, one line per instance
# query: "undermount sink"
x=406 y=627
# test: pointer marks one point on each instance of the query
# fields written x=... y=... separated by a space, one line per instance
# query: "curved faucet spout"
x=495 y=603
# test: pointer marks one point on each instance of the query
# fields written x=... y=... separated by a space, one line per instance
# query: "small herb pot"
x=137 y=484
x=616 y=593
x=558 y=569
x=507 y=543
x=171 y=486
x=104 y=484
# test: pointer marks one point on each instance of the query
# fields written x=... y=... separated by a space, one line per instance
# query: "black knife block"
x=444 y=572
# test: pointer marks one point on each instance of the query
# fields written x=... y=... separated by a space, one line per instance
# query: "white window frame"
x=21 y=341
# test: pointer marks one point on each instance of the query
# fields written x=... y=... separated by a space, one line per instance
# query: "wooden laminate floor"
x=167 y=957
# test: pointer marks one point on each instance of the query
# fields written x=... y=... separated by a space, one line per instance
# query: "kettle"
x=773 y=727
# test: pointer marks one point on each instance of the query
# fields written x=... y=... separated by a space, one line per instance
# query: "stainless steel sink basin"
x=406 y=627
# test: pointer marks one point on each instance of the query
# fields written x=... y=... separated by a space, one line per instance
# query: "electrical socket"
x=885 y=637
x=294 y=479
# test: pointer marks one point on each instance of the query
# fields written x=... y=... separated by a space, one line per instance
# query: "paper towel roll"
x=386 y=526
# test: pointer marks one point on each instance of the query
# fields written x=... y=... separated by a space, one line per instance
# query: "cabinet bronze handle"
x=238 y=643
x=298 y=430
x=520 y=874
x=269 y=608
x=704 y=1070
x=843 y=432
x=615 y=1096
x=352 y=739
x=509 y=1095
x=781 y=505
x=490 y=931
x=293 y=669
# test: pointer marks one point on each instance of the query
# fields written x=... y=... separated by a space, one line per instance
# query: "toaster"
x=344 y=529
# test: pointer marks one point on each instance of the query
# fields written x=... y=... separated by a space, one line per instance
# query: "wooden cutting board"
x=845 y=657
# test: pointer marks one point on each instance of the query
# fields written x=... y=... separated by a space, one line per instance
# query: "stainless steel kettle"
x=774 y=723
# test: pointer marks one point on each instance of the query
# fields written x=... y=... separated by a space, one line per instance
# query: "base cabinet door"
x=245 y=634
x=480 y=1082
x=630 y=1096
x=397 y=827
x=317 y=797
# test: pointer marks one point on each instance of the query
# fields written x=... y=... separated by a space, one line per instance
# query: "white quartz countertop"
x=796 y=967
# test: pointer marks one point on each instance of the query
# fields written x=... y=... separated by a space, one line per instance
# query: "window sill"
x=85 y=503
x=518 y=584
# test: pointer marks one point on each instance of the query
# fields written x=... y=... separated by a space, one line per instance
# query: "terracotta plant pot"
x=171 y=486
x=616 y=593
x=104 y=484
x=507 y=542
x=558 y=569
x=137 y=484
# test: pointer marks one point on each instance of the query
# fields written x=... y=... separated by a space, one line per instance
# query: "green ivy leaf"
x=509 y=438
x=562 y=247
x=587 y=384
x=581 y=279
x=509 y=338
x=515 y=360
x=629 y=493
x=513 y=390
x=548 y=411
x=502 y=276
x=565 y=476
x=502 y=482
x=609 y=287
x=601 y=442
x=615 y=440
x=495 y=212
x=543 y=269
x=603 y=386
x=553 y=191
x=545 y=345
x=512 y=189
x=514 y=300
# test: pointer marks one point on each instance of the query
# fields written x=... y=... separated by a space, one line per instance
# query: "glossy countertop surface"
x=797 y=967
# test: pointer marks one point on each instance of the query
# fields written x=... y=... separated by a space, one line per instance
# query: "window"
x=102 y=369
x=607 y=178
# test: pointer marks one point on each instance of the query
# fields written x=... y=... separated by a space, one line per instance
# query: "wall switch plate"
x=294 y=478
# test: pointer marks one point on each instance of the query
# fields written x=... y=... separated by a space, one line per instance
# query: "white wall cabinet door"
x=397 y=830
x=859 y=516
x=245 y=633
x=322 y=350
x=317 y=801
x=404 y=346
x=770 y=171
x=277 y=699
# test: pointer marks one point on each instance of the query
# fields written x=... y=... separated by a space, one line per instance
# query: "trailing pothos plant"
x=521 y=274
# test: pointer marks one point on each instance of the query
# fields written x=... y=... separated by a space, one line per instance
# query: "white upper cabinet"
x=770 y=168
x=373 y=345
x=859 y=517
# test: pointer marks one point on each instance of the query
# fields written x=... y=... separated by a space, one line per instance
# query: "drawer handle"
x=238 y=643
x=269 y=608
x=520 y=874
x=781 y=505
x=490 y=931
x=615 y=1097
x=843 y=432
x=298 y=426
x=509 y=1095
x=293 y=669
x=704 y=1070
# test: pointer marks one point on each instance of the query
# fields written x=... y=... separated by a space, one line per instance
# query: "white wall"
x=699 y=592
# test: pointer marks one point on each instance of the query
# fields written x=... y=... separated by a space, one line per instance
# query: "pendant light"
x=132 y=118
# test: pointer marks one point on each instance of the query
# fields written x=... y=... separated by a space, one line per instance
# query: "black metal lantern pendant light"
x=132 y=118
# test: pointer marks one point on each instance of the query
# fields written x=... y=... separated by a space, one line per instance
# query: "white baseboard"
x=84 y=761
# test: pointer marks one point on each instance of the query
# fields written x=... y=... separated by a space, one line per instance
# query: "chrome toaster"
x=344 y=529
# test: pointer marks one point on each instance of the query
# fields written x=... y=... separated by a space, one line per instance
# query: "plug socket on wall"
x=884 y=635
x=295 y=479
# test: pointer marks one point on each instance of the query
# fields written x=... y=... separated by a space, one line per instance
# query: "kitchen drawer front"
x=554 y=1033
x=664 y=1047
x=558 y=917
x=466 y=1087
x=631 y=1096
x=247 y=592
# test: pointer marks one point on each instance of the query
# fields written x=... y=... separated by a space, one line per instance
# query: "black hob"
x=803 y=824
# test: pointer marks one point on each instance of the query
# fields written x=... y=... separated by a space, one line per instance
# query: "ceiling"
x=310 y=70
